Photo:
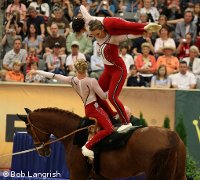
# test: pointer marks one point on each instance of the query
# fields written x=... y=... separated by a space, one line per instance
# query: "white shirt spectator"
x=195 y=65
x=128 y=60
x=11 y=56
x=159 y=44
x=96 y=63
x=153 y=11
x=71 y=59
x=183 y=81
x=44 y=7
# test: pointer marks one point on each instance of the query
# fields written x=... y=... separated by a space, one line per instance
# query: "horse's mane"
x=57 y=110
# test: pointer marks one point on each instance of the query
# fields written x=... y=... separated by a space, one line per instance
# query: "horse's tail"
x=163 y=163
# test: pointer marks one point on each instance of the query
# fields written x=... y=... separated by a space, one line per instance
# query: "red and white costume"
x=87 y=88
x=115 y=73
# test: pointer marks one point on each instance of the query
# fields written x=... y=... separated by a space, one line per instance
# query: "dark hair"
x=132 y=66
x=158 y=74
x=165 y=27
x=95 y=24
x=183 y=62
x=78 y=24
x=29 y=33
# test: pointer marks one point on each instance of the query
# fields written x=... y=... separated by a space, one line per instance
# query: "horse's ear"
x=28 y=111
x=23 y=118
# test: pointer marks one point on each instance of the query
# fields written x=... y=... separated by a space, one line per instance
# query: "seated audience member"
x=174 y=9
x=34 y=78
x=105 y=8
x=32 y=57
x=161 y=80
x=33 y=39
x=8 y=39
x=50 y=40
x=15 y=53
x=184 y=79
x=150 y=10
x=97 y=66
x=85 y=44
x=163 y=39
x=42 y=8
x=16 y=5
x=61 y=21
x=15 y=75
x=15 y=23
x=55 y=62
x=143 y=18
x=135 y=79
x=71 y=58
x=193 y=63
x=67 y=10
x=34 y=18
x=182 y=50
x=186 y=26
x=3 y=75
x=167 y=59
x=127 y=58
x=132 y=6
x=146 y=63
x=146 y=37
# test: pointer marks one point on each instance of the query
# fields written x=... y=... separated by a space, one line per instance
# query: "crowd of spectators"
x=38 y=34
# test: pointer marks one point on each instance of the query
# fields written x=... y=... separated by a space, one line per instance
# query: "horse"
x=157 y=152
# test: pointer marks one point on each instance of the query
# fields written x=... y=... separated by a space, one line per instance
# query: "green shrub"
x=143 y=121
x=166 y=123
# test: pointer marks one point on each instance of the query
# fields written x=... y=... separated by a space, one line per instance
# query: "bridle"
x=38 y=142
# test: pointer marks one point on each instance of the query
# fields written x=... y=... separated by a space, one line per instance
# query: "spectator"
x=3 y=75
x=150 y=10
x=184 y=79
x=16 y=5
x=42 y=8
x=143 y=18
x=15 y=53
x=32 y=57
x=105 y=8
x=85 y=44
x=33 y=39
x=146 y=63
x=146 y=37
x=15 y=74
x=67 y=10
x=193 y=63
x=97 y=66
x=135 y=79
x=162 y=40
x=182 y=50
x=34 y=18
x=167 y=59
x=61 y=21
x=50 y=40
x=182 y=28
x=173 y=9
x=55 y=61
x=8 y=39
x=127 y=58
x=15 y=22
x=132 y=5
x=161 y=80
x=74 y=56
x=34 y=78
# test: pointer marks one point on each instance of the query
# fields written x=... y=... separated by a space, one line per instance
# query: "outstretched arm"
x=49 y=75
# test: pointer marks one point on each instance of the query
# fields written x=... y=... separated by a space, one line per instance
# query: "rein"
x=45 y=144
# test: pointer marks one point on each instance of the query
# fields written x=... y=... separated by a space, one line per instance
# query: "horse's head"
x=40 y=136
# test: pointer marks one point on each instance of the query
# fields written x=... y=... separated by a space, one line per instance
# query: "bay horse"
x=157 y=152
